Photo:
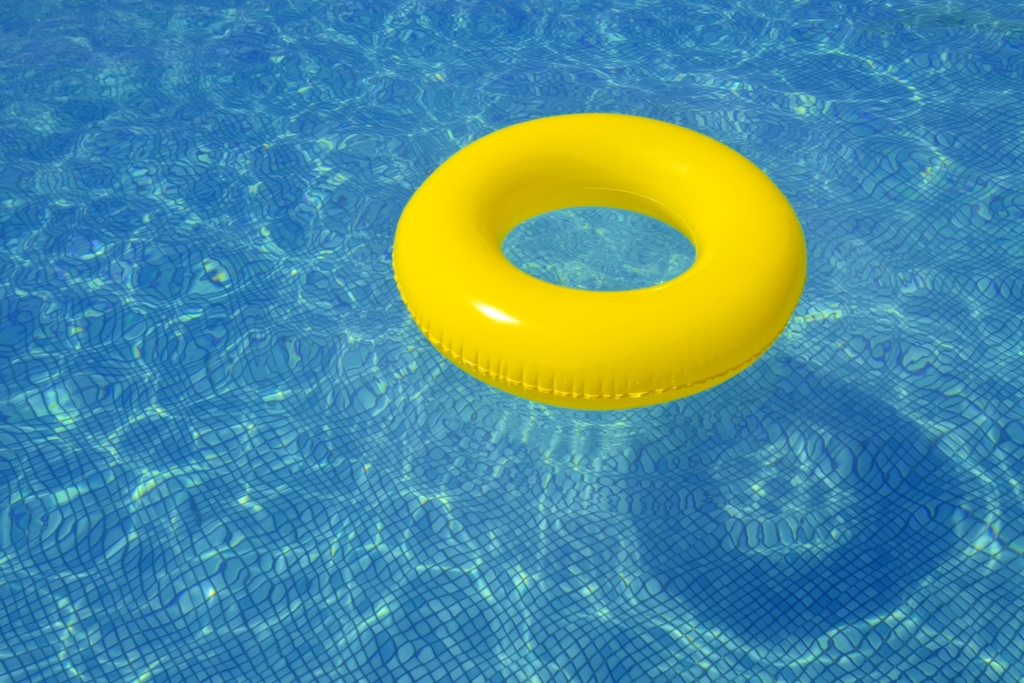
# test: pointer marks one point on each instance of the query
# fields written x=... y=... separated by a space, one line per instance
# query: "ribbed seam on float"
x=473 y=367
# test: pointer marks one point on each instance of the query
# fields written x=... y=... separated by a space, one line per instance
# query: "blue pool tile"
x=226 y=453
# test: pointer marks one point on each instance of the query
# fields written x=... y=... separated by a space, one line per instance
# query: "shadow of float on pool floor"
x=867 y=471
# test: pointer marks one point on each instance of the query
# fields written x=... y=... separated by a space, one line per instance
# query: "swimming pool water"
x=227 y=454
x=599 y=249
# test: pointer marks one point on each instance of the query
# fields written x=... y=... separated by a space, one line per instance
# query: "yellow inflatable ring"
x=599 y=350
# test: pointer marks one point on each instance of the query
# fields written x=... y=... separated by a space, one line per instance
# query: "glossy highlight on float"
x=600 y=350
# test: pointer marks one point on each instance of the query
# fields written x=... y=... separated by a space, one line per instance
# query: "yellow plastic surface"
x=600 y=350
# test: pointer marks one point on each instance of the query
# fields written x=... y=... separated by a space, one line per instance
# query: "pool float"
x=599 y=350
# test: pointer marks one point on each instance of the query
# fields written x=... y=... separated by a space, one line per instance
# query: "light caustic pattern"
x=226 y=453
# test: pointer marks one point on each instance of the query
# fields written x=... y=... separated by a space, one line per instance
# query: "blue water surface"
x=227 y=453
